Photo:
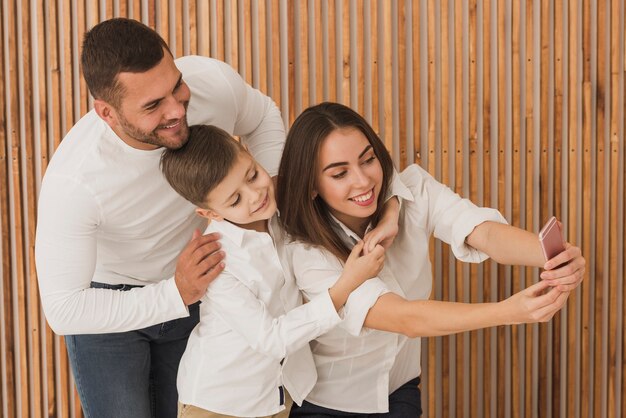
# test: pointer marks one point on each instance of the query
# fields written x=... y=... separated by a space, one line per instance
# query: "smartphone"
x=551 y=239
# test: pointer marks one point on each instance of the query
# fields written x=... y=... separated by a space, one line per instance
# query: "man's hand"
x=199 y=263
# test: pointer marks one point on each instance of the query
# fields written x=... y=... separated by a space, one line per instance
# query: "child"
x=253 y=334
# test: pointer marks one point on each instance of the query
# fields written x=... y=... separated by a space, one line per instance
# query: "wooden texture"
x=516 y=105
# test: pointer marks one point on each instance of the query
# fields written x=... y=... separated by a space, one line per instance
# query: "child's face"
x=245 y=196
x=349 y=177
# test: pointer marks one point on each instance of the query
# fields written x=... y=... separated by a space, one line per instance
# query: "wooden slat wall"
x=517 y=105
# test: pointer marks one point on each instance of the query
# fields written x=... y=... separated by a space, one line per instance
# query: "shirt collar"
x=236 y=233
x=348 y=236
x=398 y=188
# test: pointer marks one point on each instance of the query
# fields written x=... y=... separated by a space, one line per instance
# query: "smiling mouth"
x=171 y=126
x=263 y=204
x=364 y=199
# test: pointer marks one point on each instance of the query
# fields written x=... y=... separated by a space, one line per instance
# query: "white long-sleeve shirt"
x=251 y=318
x=358 y=367
x=107 y=214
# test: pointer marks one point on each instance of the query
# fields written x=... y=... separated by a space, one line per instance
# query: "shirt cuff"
x=359 y=303
x=175 y=300
x=327 y=314
x=464 y=225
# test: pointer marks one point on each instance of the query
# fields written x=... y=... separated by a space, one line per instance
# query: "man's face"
x=152 y=112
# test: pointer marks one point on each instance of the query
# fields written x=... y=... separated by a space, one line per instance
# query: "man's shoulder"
x=195 y=64
x=78 y=142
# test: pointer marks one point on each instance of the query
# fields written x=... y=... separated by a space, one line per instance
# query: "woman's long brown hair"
x=304 y=217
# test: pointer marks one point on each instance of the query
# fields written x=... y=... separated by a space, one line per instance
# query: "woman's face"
x=349 y=177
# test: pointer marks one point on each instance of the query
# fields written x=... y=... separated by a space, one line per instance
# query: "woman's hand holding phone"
x=565 y=265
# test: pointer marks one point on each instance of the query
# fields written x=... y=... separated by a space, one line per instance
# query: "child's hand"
x=383 y=235
x=566 y=270
x=357 y=269
x=387 y=228
x=360 y=268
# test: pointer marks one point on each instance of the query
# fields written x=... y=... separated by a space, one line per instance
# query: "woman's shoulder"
x=305 y=252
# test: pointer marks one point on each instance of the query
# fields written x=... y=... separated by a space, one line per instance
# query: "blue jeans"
x=404 y=402
x=130 y=374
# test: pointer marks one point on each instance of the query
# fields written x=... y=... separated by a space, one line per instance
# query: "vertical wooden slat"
x=373 y=65
x=588 y=221
x=501 y=58
x=527 y=155
x=613 y=395
x=417 y=44
x=488 y=386
x=598 y=270
x=448 y=406
x=433 y=381
x=475 y=403
x=48 y=371
x=344 y=56
x=573 y=398
x=559 y=367
x=8 y=394
x=457 y=156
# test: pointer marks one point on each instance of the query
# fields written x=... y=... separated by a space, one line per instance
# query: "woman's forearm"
x=431 y=318
x=507 y=244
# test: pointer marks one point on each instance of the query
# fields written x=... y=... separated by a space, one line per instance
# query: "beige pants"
x=190 y=411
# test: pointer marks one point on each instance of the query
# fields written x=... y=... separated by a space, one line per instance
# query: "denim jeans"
x=404 y=402
x=130 y=374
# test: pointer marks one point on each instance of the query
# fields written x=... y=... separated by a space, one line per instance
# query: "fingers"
x=370 y=240
x=198 y=240
x=546 y=312
x=571 y=253
x=537 y=288
x=356 y=250
x=198 y=264
x=214 y=271
x=567 y=270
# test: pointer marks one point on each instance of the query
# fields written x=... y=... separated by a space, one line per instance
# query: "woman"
x=333 y=178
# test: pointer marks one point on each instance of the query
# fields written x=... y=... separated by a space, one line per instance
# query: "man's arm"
x=65 y=252
x=258 y=121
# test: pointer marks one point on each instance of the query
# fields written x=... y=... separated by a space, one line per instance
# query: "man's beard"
x=153 y=137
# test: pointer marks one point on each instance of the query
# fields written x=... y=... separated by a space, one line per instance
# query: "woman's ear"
x=209 y=214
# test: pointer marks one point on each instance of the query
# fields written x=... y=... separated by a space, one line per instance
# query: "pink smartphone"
x=551 y=239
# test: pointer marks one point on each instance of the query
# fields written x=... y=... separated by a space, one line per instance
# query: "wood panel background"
x=518 y=105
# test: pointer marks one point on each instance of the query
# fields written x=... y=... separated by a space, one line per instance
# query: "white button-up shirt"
x=358 y=368
x=251 y=318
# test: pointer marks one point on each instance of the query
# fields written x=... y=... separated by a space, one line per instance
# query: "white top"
x=358 y=368
x=107 y=214
x=251 y=318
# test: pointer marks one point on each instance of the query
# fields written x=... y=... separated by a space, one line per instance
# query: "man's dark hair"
x=115 y=46
x=197 y=167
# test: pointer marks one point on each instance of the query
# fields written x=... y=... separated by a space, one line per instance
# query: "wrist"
x=339 y=293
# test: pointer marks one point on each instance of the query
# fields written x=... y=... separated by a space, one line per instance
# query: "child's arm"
x=387 y=228
x=507 y=244
x=232 y=302
x=358 y=268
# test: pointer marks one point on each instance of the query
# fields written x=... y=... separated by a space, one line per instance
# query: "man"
x=120 y=261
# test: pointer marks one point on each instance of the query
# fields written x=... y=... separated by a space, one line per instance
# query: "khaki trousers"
x=190 y=411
